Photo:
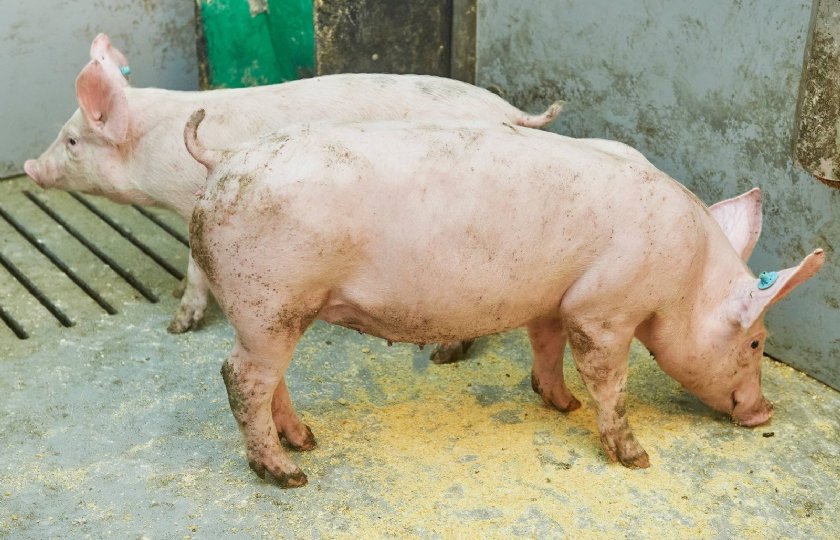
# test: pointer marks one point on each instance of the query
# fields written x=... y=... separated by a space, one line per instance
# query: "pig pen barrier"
x=66 y=256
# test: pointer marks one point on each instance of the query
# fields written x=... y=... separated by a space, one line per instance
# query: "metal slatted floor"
x=66 y=257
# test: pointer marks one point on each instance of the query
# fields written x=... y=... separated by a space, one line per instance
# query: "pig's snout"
x=34 y=171
x=747 y=416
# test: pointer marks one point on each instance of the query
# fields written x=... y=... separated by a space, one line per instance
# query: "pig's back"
x=239 y=114
x=353 y=97
x=242 y=114
x=444 y=219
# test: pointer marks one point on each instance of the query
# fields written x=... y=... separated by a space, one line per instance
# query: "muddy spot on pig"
x=580 y=340
x=236 y=397
x=339 y=154
x=468 y=136
x=280 y=139
x=243 y=183
x=198 y=243
x=430 y=89
x=291 y=322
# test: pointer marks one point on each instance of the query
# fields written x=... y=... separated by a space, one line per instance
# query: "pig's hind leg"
x=252 y=374
x=193 y=300
x=548 y=341
x=289 y=427
x=601 y=357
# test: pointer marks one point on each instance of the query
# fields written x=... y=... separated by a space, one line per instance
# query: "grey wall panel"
x=708 y=92
x=46 y=44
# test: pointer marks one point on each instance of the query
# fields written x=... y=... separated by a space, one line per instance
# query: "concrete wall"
x=45 y=45
x=708 y=92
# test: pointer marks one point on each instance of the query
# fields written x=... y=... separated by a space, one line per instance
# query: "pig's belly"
x=435 y=318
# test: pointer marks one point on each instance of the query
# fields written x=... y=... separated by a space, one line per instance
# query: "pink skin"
x=344 y=223
x=126 y=143
x=101 y=49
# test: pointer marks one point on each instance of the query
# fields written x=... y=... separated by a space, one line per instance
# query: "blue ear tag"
x=125 y=70
x=767 y=279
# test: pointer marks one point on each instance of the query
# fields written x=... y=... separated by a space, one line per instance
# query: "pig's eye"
x=72 y=141
x=754 y=344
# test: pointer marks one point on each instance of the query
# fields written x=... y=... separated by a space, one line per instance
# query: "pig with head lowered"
x=577 y=240
x=126 y=143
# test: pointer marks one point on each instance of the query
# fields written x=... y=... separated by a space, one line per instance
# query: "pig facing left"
x=126 y=143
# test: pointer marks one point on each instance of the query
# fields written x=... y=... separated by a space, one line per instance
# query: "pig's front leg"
x=601 y=357
x=447 y=353
x=289 y=427
x=193 y=301
x=548 y=340
x=251 y=376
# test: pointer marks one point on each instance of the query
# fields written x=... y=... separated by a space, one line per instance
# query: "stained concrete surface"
x=115 y=428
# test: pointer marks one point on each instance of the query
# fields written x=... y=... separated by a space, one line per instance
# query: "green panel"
x=273 y=45
x=293 y=35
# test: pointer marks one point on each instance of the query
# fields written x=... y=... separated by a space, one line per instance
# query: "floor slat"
x=70 y=275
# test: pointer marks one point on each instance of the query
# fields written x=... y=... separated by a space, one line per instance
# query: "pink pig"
x=580 y=240
x=126 y=143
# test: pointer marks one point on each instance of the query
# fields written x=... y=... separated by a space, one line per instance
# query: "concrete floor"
x=114 y=428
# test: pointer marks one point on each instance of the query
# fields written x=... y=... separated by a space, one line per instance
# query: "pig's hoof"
x=282 y=479
x=448 y=353
x=184 y=321
x=567 y=406
x=287 y=480
x=178 y=326
x=307 y=442
x=637 y=461
x=565 y=402
x=629 y=453
x=623 y=447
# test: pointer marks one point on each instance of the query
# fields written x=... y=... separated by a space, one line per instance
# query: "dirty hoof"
x=565 y=402
x=638 y=461
x=184 y=321
x=288 y=480
x=571 y=405
x=179 y=327
x=284 y=480
x=448 y=353
x=307 y=443
x=624 y=448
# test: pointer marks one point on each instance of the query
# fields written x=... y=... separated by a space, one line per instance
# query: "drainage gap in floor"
x=115 y=266
x=109 y=309
x=36 y=292
x=53 y=253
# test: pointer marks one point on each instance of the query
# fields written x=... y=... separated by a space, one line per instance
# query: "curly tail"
x=542 y=120
x=205 y=156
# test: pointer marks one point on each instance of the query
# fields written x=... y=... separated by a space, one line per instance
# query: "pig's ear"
x=740 y=219
x=752 y=299
x=102 y=50
x=103 y=102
